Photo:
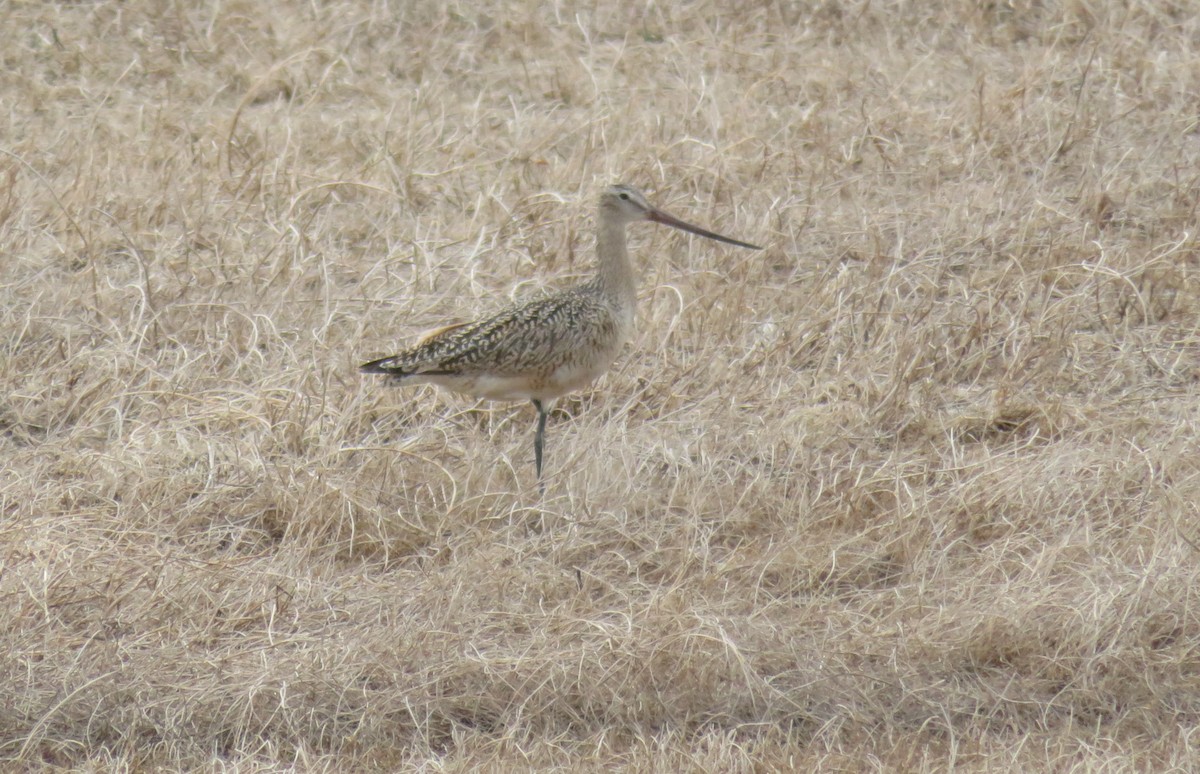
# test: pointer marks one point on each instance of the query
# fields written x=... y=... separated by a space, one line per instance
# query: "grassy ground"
x=913 y=489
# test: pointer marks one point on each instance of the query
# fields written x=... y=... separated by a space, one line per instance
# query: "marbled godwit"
x=543 y=349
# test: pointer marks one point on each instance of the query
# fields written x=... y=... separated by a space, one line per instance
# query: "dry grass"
x=914 y=489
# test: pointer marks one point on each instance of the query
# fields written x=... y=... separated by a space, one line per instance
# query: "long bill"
x=658 y=216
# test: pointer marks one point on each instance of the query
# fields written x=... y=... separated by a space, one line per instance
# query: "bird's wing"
x=512 y=341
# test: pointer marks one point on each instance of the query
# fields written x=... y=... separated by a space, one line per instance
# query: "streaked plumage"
x=549 y=347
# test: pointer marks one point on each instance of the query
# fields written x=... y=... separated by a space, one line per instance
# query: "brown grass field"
x=913 y=489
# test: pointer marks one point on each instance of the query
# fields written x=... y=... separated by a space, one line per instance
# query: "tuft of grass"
x=912 y=489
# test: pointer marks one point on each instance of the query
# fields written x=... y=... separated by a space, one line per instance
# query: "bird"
x=551 y=346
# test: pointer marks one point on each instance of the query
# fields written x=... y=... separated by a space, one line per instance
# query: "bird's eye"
x=624 y=197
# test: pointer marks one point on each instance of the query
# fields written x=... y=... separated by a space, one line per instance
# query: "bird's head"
x=625 y=204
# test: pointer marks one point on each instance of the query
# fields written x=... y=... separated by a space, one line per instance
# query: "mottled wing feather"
x=521 y=339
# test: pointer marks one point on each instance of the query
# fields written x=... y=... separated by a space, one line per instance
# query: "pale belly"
x=546 y=386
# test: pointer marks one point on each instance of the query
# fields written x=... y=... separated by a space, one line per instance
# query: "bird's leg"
x=540 y=438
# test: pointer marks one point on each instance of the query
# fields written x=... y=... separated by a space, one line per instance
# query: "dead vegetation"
x=913 y=489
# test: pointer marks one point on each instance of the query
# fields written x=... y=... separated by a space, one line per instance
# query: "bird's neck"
x=614 y=272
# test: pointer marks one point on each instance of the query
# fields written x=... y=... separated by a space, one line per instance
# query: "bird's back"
x=537 y=350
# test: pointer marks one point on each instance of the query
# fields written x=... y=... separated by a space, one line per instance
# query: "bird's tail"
x=390 y=365
x=420 y=359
